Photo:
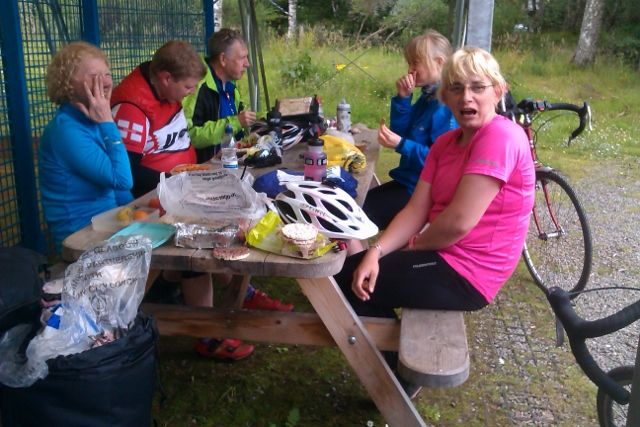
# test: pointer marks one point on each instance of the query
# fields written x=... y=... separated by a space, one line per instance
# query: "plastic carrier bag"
x=212 y=195
x=101 y=294
x=267 y=235
x=341 y=152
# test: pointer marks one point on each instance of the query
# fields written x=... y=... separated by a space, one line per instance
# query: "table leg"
x=357 y=346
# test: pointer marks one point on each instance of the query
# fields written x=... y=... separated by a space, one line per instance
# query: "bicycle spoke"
x=557 y=251
x=611 y=413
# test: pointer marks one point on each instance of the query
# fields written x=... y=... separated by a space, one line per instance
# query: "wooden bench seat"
x=433 y=348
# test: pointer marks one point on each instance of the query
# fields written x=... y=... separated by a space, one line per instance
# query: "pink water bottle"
x=315 y=161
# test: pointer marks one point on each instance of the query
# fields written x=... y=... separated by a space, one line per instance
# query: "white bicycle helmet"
x=331 y=210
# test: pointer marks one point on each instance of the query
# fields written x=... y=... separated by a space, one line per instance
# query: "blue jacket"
x=419 y=125
x=83 y=171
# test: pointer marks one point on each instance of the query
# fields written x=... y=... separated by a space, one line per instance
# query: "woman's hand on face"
x=387 y=138
x=406 y=84
x=364 y=277
x=97 y=106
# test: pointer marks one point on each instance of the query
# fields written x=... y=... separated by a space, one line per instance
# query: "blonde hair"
x=468 y=62
x=63 y=67
x=427 y=48
x=179 y=59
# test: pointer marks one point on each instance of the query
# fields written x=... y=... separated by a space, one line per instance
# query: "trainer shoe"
x=227 y=350
x=258 y=300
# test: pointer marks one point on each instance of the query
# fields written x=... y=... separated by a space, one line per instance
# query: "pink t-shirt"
x=489 y=253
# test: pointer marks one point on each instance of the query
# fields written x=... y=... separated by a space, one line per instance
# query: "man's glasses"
x=458 y=88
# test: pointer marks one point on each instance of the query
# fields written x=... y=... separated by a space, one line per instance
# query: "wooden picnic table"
x=334 y=323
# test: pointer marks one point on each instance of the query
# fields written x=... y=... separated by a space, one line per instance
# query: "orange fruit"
x=140 y=215
x=155 y=203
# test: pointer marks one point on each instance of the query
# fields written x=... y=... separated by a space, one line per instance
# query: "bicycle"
x=558 y=248
x=615 y=389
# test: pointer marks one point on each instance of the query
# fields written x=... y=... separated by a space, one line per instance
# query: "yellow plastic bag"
x=266 y=235
x=341 y=152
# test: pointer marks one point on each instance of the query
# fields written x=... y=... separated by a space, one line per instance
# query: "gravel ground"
x=610 y=197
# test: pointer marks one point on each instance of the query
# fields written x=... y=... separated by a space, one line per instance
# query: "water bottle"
x=274 y=120
x=229 y=150
x=315 y=161
x=343 y=116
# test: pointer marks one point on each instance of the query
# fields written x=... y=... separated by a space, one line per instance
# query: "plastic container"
x=229 y=150
x=315 y=161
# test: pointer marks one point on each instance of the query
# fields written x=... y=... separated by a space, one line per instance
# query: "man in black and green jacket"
x=216 y=100
x=215 y=103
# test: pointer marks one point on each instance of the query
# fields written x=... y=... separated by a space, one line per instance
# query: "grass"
x=315 y=384
x=314 y=66
x=515 y=372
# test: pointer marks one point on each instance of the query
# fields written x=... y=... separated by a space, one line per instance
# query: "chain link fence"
x=129 y=31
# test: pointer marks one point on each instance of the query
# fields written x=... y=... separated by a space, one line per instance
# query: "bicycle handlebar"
x=579 y=329
x=527 y=107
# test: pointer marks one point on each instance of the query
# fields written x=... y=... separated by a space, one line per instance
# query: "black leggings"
x=413 y=279
x=384 y=202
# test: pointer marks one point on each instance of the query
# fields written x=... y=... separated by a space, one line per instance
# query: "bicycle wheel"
x=558 y=248
x=610 y=412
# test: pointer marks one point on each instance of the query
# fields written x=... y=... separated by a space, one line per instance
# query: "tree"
x=217 y=15
x=291 y=29
x=589 y=31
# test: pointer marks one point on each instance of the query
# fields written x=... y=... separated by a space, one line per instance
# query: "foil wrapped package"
x=206 y=236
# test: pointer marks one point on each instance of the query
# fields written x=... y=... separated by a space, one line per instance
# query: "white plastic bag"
x=212 y=195
x=101 y=292
x=107 y=282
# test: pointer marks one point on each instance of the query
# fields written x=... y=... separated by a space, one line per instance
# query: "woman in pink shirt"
x=459 y=238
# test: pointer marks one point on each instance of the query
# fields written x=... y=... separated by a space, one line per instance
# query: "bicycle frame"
x=526 y=125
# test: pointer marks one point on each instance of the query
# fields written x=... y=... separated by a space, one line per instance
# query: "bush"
x=298 y=69
x=627 y=48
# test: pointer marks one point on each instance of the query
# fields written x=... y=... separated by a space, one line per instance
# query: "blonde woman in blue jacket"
x=83 y=166
x=414 y=127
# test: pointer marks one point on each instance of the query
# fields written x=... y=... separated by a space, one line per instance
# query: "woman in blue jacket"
x=83 y=165
x=414 y=127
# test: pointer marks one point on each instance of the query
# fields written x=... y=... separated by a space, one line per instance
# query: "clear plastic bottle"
x=274 y=120
x=315 y=161
x=229 y=150
x=343 y=116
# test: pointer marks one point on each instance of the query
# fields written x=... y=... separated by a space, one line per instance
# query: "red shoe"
x=261 y=301
x=227 y=350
